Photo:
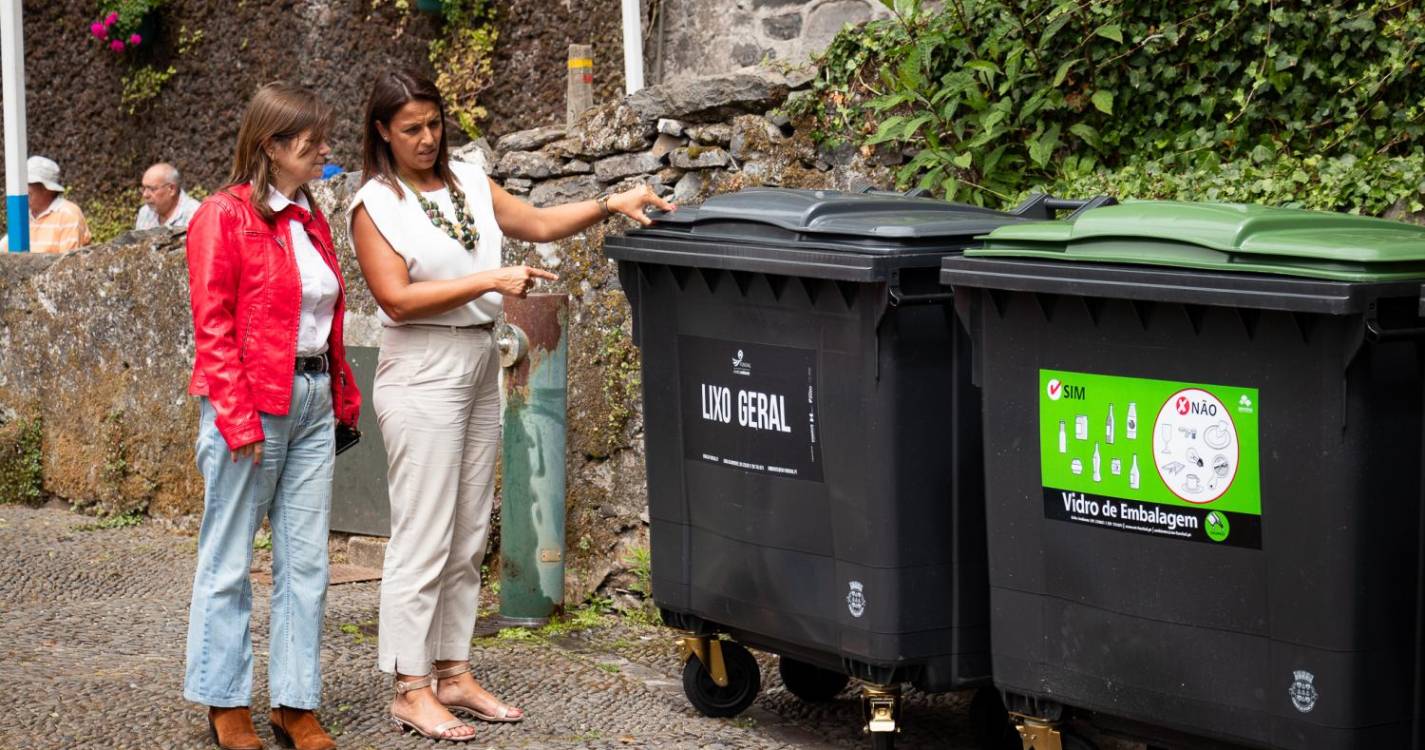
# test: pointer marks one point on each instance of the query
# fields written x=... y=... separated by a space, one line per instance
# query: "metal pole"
x=632 y=46
x=12 y=59
x=532 y=501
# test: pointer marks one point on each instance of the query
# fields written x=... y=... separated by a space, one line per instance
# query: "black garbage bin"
x=1203 y=460
x=813 y=490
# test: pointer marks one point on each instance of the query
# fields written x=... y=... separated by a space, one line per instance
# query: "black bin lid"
x=816 y=233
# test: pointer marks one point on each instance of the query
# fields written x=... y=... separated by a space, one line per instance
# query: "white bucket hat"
x=45 y=172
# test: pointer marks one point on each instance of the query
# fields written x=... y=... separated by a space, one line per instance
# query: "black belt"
x=317 y=363
x=471 y=327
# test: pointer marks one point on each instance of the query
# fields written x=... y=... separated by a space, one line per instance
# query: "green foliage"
x=358 y=632
x=263 y=540
x=991 y=97
x=622 y=382
x=122 y=521
x=640 y=562
x=1369 y=185
x=131 y=14
x=462 y=59
x=142 y=84
x=112 y=215
x=22 y=462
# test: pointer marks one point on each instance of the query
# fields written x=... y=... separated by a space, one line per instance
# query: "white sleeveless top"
x=430 y=253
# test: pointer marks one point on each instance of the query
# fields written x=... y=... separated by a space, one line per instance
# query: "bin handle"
x=916 y=192
x=1375 y=333
x=1045 y=206
x=901 y=299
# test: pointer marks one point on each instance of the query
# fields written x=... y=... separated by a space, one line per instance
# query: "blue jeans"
x=292 y=487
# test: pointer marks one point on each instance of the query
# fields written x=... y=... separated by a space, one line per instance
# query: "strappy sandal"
x=504 y=716
x=437 y=732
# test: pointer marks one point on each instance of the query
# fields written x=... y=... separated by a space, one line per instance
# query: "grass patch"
x=640 y=562
x=121 y=521
x=592 y=614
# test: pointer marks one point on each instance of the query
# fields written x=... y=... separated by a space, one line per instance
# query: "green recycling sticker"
x=1190 y=472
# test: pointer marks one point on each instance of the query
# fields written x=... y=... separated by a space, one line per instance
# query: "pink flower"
x=116 y=45
x=112 y=18
x=135 y=40
x=99 y=30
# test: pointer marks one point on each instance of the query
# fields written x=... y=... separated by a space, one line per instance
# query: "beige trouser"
x=437 y=399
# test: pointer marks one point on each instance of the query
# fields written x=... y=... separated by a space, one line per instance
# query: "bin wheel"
x=810 y=682
x=883 y=741
x=743 y=681
x=990 y=722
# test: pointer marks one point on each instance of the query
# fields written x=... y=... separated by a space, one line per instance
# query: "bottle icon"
x=1133 y=473
x=1132 y=425
x=1097 y=464
x=1063 y=437
x=1108 y=427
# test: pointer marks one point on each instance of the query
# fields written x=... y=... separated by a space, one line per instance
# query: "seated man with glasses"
x=164 y=202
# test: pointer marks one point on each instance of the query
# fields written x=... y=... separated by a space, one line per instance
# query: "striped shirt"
x=58 y=229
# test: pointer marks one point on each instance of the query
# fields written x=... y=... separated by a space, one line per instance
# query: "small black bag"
x=346 y=437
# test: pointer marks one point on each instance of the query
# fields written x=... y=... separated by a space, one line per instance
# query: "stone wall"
x=97 y=344
x=221 y=51
x=692 y=37
x=531 y=58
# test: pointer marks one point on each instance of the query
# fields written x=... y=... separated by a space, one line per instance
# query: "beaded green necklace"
x=462 y=230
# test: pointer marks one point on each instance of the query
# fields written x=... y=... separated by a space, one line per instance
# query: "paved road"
x=92 y=626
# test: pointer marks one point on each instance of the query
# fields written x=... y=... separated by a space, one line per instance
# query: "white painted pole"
x=632 y=45
x=12 y=60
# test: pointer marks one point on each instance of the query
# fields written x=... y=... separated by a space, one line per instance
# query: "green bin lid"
x=1223 y=237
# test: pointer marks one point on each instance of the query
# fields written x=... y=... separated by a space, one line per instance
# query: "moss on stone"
x=22 y=462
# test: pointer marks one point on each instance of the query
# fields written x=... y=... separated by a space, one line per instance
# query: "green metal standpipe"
x=535 y=353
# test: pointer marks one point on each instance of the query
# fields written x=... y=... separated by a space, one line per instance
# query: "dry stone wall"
x=97 y=345
x=697 y=37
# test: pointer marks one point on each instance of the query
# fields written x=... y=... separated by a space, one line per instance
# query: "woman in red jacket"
x=270 y=369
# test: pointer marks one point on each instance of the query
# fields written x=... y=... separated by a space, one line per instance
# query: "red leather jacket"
x=246 y=294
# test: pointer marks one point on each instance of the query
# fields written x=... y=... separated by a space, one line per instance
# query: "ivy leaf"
x=913 y=126
x=1088 y=133
x=906 y=8
x=890 y=130
x=983 y=66
x=1110 y=31
x=1103 y=101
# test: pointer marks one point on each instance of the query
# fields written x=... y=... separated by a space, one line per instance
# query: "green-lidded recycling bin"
x=1202 y=428
x=813 y=489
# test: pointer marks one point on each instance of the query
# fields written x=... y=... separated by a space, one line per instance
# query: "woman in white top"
x=428 y=234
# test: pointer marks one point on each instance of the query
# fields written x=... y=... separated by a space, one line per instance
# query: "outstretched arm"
x=522 y=221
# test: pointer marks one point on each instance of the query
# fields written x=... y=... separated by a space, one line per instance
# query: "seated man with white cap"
x=56 y=225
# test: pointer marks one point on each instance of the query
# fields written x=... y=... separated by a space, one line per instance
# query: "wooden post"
x=580 y=96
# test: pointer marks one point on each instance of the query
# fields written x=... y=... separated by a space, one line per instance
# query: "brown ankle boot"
x=298 y=728
x=231 y=728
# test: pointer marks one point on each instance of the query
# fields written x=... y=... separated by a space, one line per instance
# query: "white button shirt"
x=319 y=285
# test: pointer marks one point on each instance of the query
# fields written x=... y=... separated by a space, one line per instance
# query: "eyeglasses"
x=152 y=188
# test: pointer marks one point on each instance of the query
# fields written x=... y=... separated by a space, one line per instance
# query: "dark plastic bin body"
x=871 y=560
x=1311 y=641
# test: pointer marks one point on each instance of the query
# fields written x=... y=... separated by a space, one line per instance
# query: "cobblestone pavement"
x=92 y=628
